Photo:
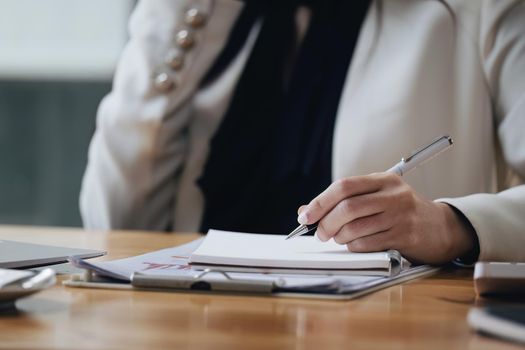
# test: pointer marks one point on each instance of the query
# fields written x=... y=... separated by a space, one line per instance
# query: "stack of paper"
x=172 y=263
x=307 y=272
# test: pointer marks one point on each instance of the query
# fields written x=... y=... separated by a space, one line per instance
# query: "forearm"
x=140 y=143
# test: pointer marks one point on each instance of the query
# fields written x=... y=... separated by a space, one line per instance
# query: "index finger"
x=336 y=192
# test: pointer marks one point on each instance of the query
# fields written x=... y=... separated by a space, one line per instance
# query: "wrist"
x=464 y=240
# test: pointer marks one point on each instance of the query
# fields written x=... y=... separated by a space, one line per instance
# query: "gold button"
x=185 y=39
x=163 y=82
x=195 y=17
x=175 y=59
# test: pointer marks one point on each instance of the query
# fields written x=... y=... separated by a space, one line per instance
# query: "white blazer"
x=420 y=69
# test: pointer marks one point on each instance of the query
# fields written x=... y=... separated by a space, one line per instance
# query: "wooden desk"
x=423 y=314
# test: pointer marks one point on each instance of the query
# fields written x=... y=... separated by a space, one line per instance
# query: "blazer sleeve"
x=140 y=141
x=499 y=219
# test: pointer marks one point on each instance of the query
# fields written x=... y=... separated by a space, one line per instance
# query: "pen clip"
x=207 y=271
x=446 y=138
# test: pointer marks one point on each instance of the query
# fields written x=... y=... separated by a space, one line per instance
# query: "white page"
x=259 y=250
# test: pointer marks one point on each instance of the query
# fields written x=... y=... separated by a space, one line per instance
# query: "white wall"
x=61 y=39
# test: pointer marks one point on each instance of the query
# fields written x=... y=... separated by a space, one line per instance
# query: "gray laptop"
x=15 y=255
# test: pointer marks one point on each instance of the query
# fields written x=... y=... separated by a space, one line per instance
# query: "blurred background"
x=57 y=59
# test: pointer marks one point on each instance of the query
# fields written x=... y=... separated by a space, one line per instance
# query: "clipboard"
x=201 y=283
x=207 y=282
x=169 y=270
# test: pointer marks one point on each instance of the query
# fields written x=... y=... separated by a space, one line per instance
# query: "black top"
x=273 y=149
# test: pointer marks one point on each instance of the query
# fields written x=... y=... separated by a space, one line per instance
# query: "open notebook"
x=235 y=251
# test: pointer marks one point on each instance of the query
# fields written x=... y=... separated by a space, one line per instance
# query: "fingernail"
x=302 y=219
x=317 y=237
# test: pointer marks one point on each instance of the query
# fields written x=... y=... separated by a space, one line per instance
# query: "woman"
x=229 y=115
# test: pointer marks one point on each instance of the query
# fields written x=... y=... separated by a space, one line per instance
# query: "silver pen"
x=404 y=166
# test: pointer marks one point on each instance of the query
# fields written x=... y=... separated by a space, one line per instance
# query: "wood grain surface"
x=428 y=313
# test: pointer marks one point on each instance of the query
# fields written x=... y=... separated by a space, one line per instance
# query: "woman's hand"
x=380 y=211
